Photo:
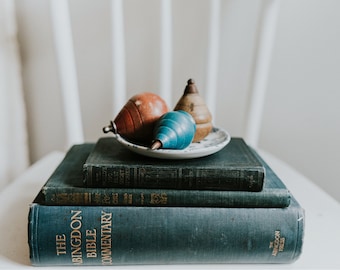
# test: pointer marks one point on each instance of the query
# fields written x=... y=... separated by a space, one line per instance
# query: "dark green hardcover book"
x=108 y=235
x=65 y=187
x=235 y=167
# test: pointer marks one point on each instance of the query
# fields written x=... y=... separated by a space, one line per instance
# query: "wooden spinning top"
x=194 y=104
x=174 y=130
x=137 y=118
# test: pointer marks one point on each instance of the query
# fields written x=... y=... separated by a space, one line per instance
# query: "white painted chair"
x=322 y=225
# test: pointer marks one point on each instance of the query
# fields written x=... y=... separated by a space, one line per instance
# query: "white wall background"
x=301 y=114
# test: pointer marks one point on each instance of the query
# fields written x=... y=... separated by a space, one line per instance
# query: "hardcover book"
x=235 y=167
x=65 y=187
x=109 y=235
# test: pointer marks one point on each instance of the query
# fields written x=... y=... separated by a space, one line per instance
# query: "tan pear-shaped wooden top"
x=194 y=104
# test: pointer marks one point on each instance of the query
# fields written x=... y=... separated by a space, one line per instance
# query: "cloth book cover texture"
x=109 y=235
x=65 y=187
x=235 y=167
x=71 y=223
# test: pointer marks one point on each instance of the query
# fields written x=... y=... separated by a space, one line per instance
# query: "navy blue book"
x=122 y=235
x=65 y=187
x=235 y=167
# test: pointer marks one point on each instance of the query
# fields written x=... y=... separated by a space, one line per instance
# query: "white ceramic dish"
x=214 y=142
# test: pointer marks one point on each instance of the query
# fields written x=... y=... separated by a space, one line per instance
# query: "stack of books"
x=105 y=205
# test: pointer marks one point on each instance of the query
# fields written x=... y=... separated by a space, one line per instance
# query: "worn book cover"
x=123 y=235
x=65 y=187
x=235 y=167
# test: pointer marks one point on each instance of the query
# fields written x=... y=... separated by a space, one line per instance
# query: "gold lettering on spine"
x=91 y=243
x=159 y=198
x=60 y=242
x=75 y=240
x=115 y=198
x=106 y=199
x=142 y=198
x=106 y=242
x=128 y=198
x=278 y=244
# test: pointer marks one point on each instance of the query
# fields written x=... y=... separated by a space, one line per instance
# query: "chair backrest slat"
x=67 y=71
x=166 y=51
x=266 y=36
x=213 y=56
x=118 y=56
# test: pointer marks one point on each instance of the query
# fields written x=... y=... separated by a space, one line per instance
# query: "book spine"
x=165 y=197
x=245 y=179
x=87 y=235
